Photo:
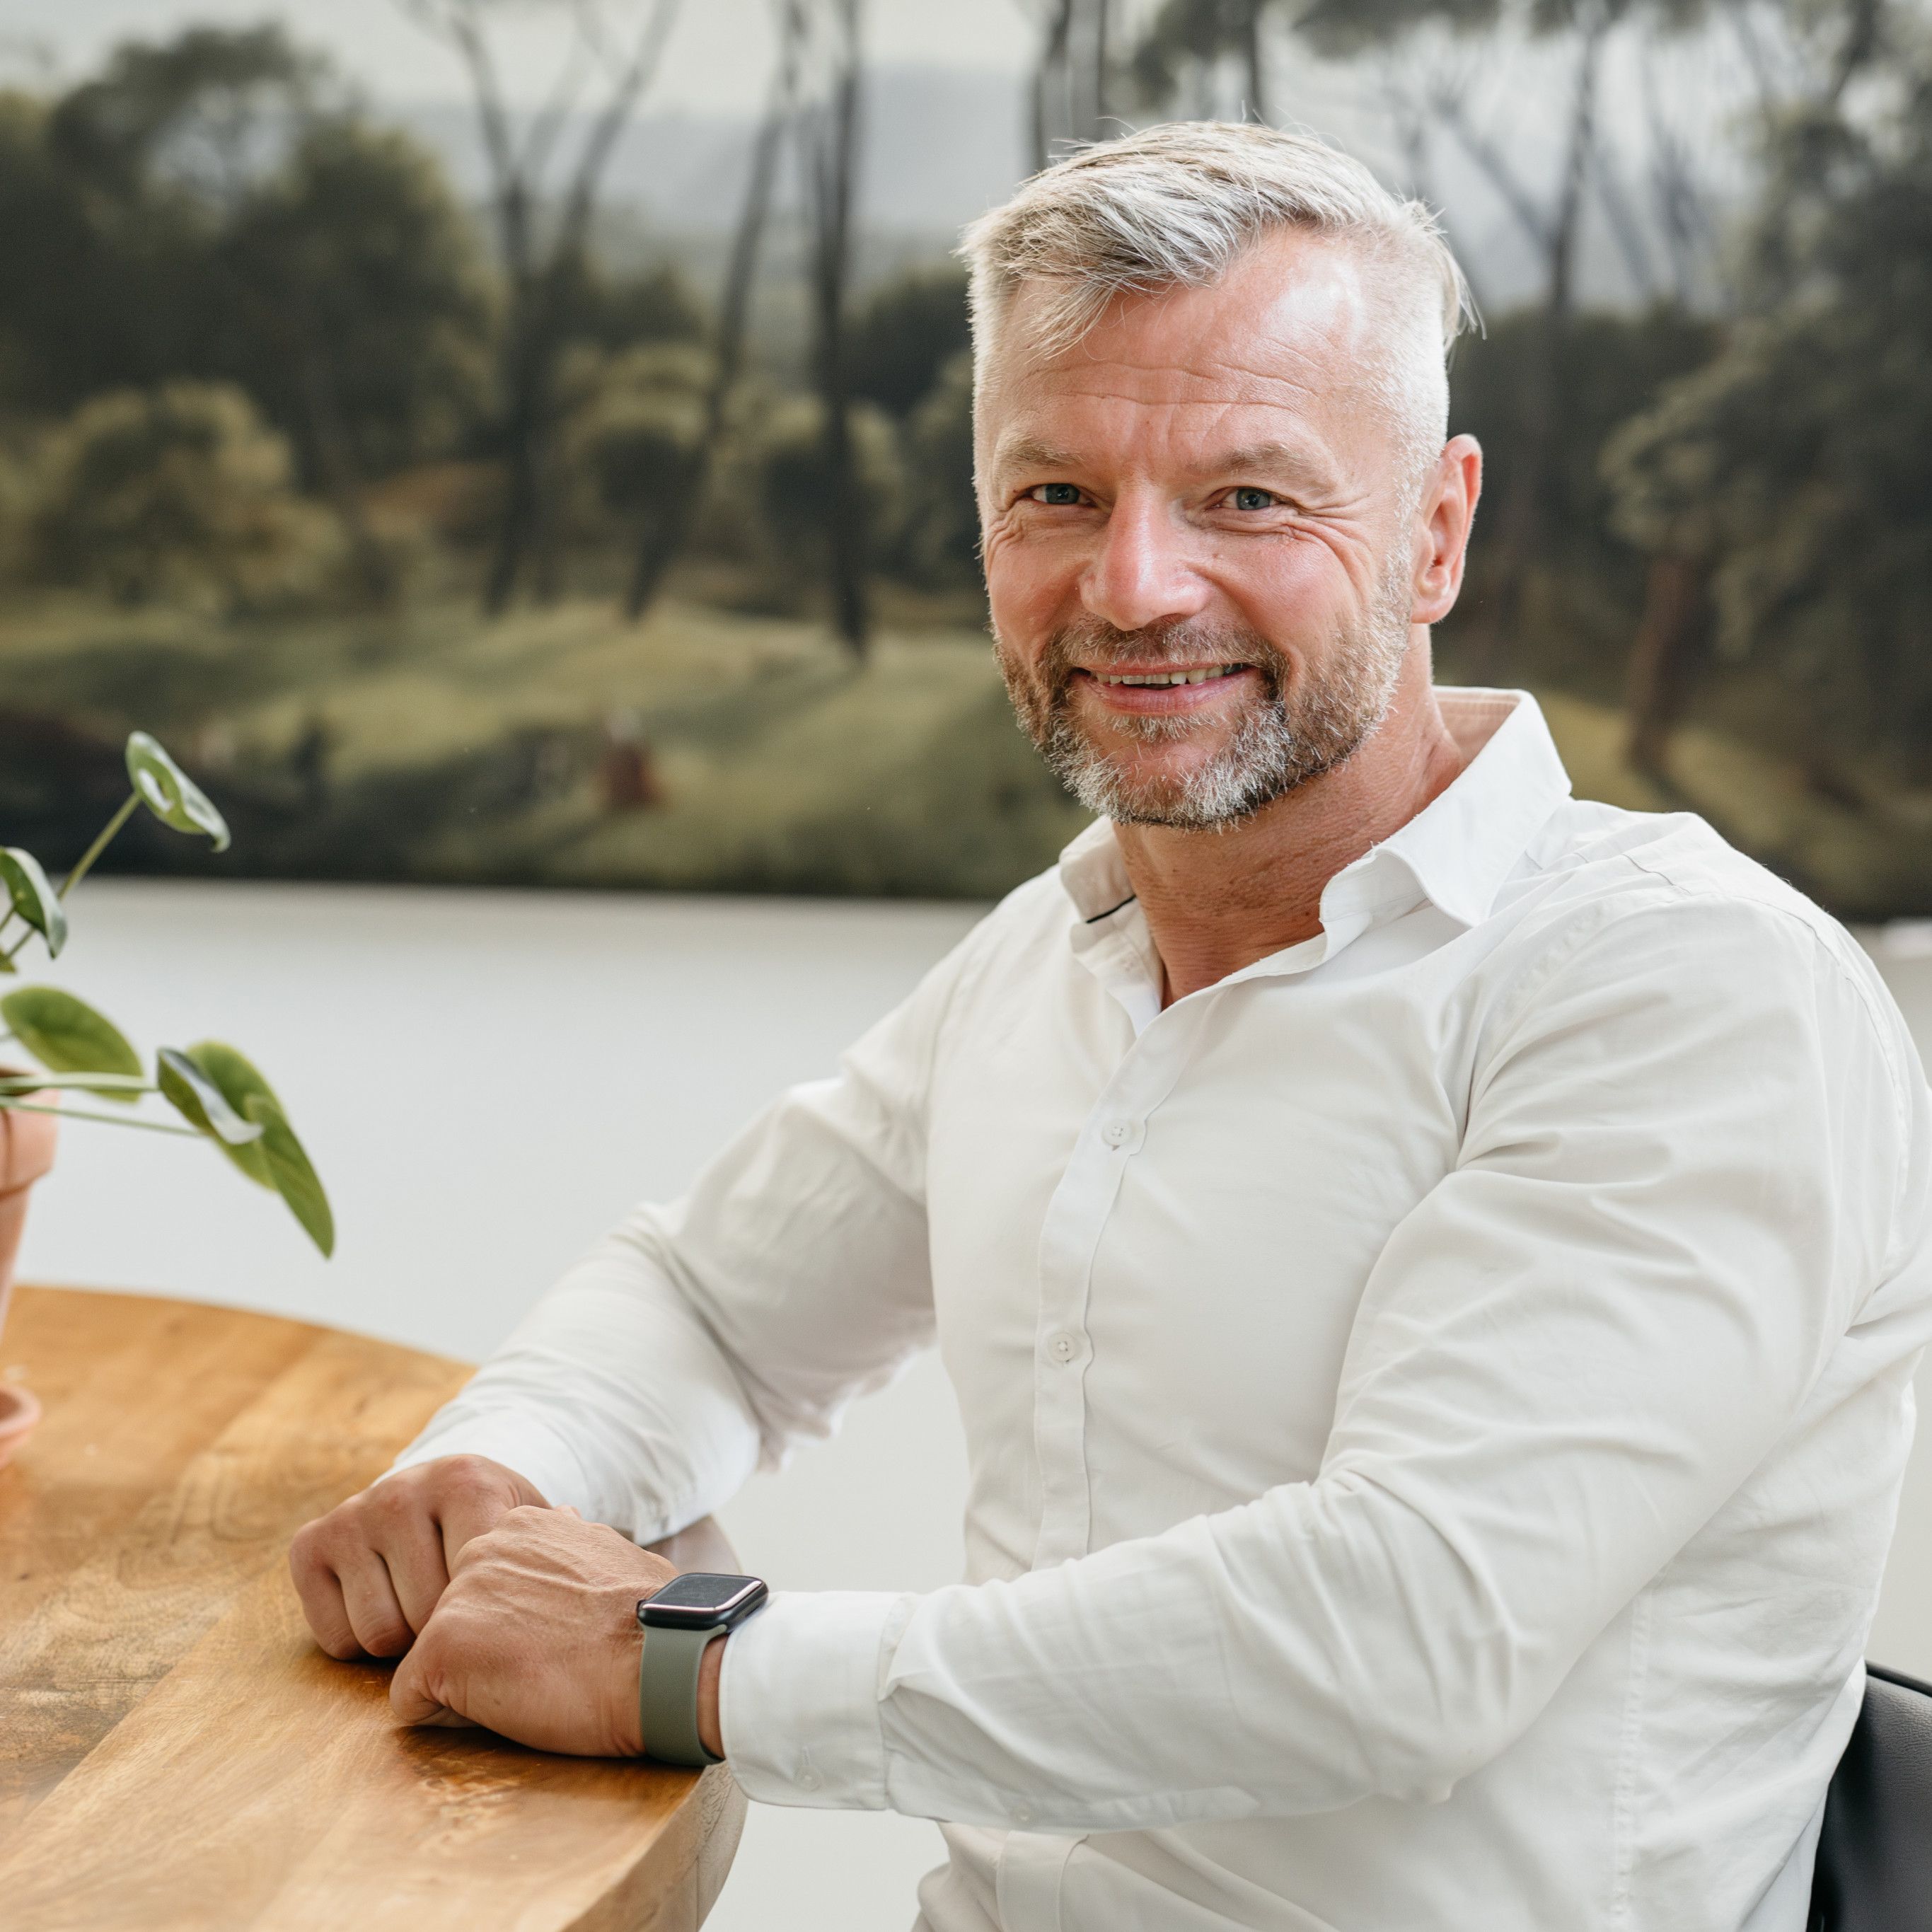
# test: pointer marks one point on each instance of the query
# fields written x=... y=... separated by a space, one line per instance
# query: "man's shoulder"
x=1625 y=862
x=1665 y=891
x=1036 y=911
x=1020 y=935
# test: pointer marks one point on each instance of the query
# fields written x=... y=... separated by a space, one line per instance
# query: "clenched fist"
x=536 y=1637
x=371 y=1573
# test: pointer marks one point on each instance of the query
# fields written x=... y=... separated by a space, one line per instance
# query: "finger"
x=470 y=1502
x=410 y=1696
x=405 y=1534
x=375 y=1614
x=321 y=1593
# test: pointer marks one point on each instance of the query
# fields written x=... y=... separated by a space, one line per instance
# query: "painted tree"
x=829 y=163
x=1790 y=479
x=1198 y=36
x=547 y=174
x=673 y=509
x=215 y=206
x=1074 y=92
x=363 y=314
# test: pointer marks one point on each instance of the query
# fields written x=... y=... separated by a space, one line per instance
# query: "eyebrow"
x=1027 y=452
x=1261 y=456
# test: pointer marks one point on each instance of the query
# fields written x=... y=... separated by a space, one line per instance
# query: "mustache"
x=1183 y=644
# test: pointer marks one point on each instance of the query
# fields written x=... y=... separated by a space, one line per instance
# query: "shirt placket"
x=1112 y=1135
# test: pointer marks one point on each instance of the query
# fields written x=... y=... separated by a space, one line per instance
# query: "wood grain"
x=174 y=1750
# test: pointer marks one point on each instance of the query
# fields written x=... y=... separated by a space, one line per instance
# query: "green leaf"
x=169 y=793
x=237 y=1080
x=290 y=1172
x=33 y=898
x=199 y=1102
x=69 y=1037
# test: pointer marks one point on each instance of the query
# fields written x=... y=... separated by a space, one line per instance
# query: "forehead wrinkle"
x=1306 y=388
x=1309 y=459
x=1330 y=348
x=1022 y=451
x=1271 y=459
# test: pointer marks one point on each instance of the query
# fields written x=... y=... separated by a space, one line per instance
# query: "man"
x=1432 y=1270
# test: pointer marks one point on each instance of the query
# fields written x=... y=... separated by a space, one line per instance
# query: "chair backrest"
x=1874 y=1871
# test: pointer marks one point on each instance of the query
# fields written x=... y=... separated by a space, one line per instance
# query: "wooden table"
x=175 y=1752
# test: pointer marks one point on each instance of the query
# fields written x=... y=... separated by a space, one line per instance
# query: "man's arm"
x=699 y=1340
x=1696 y=1156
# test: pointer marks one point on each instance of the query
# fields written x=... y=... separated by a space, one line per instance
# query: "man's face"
x=1200 y=541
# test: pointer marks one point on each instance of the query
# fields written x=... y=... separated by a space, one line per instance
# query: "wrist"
x=679 y=1677
x=710 y=1674
x=627 y=1719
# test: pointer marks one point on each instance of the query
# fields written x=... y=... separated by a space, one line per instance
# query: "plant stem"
x=100 y=845
x=84 y=1083
x=106 y=1119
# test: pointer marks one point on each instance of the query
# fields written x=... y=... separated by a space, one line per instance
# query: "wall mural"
x=554 y=483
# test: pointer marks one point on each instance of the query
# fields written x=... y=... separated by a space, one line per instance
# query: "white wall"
x=486 y=1081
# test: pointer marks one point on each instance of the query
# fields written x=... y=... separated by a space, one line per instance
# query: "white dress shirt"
x=1436 y=1399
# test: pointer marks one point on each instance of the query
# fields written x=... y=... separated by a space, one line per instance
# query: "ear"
x=1442 y=521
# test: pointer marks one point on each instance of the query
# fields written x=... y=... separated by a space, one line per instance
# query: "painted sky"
x=716 y=62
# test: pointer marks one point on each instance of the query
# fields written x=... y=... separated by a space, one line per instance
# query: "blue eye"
x=1245 y=499
x=1059 y=493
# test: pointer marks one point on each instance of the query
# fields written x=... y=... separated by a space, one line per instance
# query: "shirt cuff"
x=517 y=1439
x=798 y=1700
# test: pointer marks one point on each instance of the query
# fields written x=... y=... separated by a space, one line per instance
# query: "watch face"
x=700 y=1598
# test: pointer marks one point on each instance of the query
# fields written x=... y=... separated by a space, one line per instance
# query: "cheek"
x=1291 y=579
x=1026 y=580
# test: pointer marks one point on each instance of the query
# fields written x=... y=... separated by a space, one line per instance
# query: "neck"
x=1216 y=902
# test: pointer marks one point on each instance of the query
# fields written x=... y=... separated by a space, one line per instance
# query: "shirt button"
x=1062 y=1348
x=807 y=1781
x=1117 y=1133
x=1022 y=1814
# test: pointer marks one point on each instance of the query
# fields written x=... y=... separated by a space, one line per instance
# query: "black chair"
x=1874 y=1870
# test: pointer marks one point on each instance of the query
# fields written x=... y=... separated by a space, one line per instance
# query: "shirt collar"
x=1456 y=853
x=1461 y=847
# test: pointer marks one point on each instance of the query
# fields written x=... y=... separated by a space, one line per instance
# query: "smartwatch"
x=678 y=1623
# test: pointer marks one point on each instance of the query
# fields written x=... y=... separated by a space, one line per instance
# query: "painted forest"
x=467 y=524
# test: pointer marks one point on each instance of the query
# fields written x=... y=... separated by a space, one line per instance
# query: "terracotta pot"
x=26 y=1152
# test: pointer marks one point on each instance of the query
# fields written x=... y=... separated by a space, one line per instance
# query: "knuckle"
x=386 y=1637
x=470 y=1474
x=387 y=1501
x=317 y=1546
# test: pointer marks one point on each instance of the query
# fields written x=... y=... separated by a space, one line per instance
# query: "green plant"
x=216 y=1090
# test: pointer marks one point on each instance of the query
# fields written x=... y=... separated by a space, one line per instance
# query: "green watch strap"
x=667 y=1694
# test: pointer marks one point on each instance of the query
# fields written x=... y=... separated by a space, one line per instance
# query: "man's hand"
x=536 y=1637
x=371 y=1572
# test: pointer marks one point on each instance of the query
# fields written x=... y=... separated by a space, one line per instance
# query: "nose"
x=1142 y=574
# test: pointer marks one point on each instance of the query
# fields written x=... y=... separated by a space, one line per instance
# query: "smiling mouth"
x=1195 y=674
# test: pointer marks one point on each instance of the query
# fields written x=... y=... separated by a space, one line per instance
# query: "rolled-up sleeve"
x=1693 y=1161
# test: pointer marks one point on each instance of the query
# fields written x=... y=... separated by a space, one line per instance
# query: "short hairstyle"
x=1177 y=206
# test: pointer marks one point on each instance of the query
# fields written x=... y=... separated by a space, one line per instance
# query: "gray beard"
x=1295 y=729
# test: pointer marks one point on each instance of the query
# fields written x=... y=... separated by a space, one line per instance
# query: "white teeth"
x=1205 y=675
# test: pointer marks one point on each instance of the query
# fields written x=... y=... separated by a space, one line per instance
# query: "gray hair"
x=1176 y=206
